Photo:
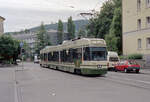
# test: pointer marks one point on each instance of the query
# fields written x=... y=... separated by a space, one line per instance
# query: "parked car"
x=128 y=66
x=36 y=59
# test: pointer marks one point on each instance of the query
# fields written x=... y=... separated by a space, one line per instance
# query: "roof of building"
x=2 y=17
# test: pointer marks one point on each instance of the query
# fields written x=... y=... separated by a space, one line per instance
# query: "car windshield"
x=114 y=59
x=132 y=63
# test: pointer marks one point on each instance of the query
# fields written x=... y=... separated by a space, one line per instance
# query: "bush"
x=123 y=57
x=135 y=56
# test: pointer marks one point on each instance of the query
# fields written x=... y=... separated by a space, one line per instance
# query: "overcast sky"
x=21 y=14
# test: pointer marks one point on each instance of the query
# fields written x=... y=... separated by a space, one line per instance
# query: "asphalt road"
x=36 y=84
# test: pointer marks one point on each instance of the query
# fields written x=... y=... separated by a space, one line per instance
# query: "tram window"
x=55 y=56
x=86 y=54
x=70 y=56
x=98 y=53
x=45 y=56
x=95 y=53
x=74 y=54
x=63 y=56
x=50 y=56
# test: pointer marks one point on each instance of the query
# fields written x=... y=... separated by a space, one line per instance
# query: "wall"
x=131 y=33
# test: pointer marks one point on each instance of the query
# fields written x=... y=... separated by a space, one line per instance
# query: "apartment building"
x=136 y=27
x=1 y=25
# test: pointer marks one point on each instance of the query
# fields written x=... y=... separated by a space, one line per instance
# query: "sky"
x=25 y=14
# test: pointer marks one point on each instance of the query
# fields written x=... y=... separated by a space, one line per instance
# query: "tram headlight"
x=99 y=66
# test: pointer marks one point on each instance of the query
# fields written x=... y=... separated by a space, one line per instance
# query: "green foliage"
x=100 y=24
x=116 y=28
x=60 y=31
x=42 y=39
x=71 y=28
x=132 y=56
x=9 y=48
x=78 y=25
x=26 y=31
x=81 y=33
x=123 y=57
x=107 y=24
x=135 y=56
x=111 y=41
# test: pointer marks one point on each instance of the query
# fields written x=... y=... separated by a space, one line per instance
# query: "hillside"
x=78 y=23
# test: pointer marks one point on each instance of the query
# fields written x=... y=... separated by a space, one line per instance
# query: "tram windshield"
x=95 y=53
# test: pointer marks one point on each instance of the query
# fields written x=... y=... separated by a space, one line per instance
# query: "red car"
x=127 y=66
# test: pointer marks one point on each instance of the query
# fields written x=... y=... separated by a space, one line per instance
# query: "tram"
x=86 y=56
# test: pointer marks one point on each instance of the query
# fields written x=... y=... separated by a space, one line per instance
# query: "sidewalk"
x=7 y=82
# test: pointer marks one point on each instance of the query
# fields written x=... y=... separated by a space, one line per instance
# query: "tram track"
x=128 y=82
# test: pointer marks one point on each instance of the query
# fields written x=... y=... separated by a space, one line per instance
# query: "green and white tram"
x=86 y=56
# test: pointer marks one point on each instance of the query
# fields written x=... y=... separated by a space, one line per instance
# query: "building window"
x=139 y=43
x=139 y=24
x=147 y=21
x=138 y=5
x=148 y=43
x=147 y=3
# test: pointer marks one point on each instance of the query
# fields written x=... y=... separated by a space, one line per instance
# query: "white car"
x=18 y=60
x=36 y=60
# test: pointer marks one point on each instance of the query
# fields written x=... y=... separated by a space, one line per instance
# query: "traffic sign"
x=21 y=44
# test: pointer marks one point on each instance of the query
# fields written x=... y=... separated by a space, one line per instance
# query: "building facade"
x=1 y=25
x=136 y=27
x=29 y=38
x=53 y=36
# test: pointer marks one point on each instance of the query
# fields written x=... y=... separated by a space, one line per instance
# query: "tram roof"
x=76 y=44
x=84 y=42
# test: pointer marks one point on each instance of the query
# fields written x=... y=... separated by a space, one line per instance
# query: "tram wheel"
x=77 y=71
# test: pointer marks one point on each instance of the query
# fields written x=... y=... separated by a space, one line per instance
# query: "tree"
x=116 y=29
x=99 y=25
x=60 y=32
x=81 y=33
x=9 y=48
x=71 y=28
x=42 y=39
x=111 y=42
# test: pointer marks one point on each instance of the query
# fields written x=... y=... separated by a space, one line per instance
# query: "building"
x=53 y=36
x=1 y=25
x=136 y=28
x=29 y=38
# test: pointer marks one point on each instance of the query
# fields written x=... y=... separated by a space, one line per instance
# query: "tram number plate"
x=99 y=66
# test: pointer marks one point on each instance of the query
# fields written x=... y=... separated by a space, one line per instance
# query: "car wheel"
x=125 y=70
x=137 y=71
x=115 y=70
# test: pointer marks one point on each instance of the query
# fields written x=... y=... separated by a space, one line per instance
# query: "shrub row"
x=132 y=56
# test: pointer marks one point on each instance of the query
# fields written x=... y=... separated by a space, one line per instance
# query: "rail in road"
x=55 y=85
x=131 y=79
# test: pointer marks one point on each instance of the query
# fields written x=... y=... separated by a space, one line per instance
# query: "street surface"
x=36 y=84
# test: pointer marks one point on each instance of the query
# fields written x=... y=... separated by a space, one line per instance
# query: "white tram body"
x=87 y=56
